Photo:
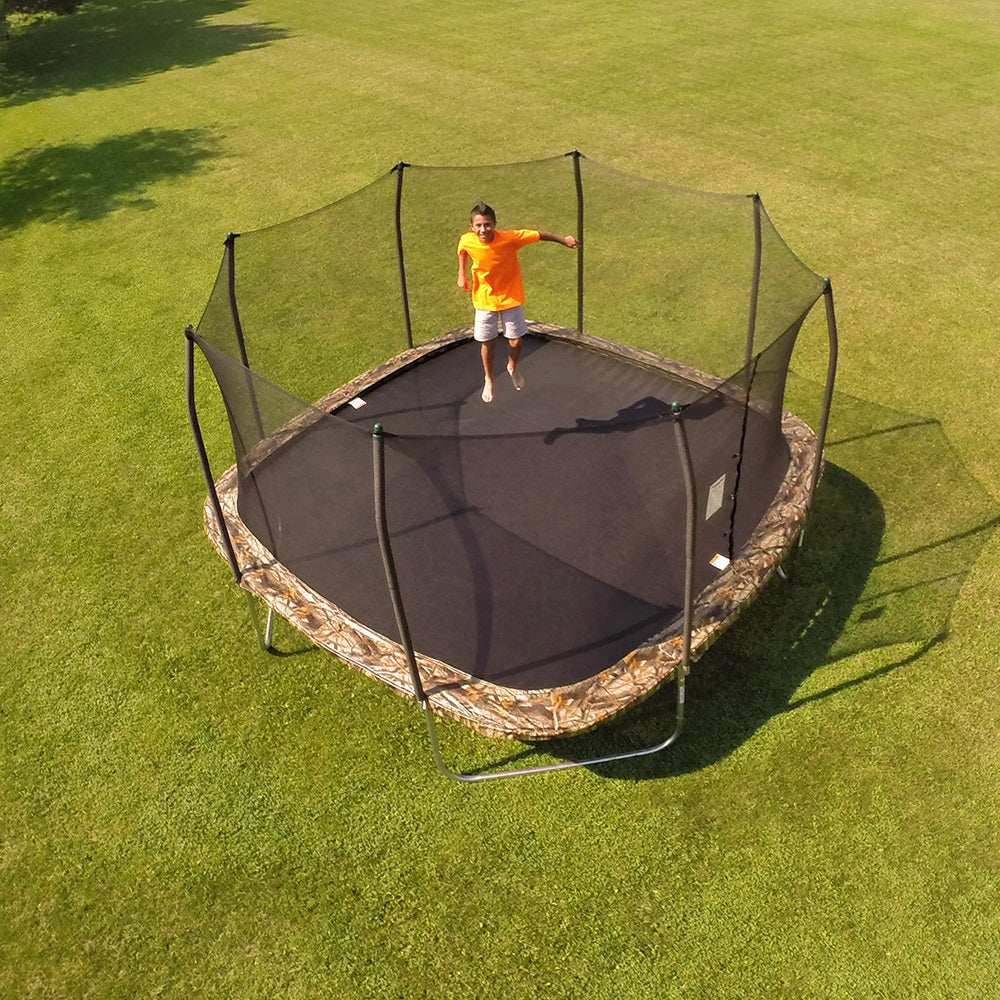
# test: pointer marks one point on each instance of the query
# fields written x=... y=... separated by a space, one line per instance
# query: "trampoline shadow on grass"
x=885 y=555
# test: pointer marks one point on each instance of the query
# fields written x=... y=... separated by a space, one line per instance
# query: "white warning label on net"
x=716 y=494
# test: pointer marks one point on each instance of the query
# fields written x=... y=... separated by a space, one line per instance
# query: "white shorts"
x=488 y=324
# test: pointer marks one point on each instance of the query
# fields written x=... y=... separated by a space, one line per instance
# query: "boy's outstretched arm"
x=566 y=241
x=463 y=280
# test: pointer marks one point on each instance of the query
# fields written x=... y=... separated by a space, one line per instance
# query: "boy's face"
x=484 y=227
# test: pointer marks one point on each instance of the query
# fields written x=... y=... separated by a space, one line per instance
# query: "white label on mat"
x=719 y=561
x=357 y=402
x=716 y=493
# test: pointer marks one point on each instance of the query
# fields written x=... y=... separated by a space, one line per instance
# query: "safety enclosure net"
x=678 y=305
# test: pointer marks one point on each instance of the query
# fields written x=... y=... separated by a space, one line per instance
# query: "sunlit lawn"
x=182 y=815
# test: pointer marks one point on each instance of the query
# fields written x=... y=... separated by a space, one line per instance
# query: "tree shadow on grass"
x=111 y=43
x=77 y=183
x=896 y=525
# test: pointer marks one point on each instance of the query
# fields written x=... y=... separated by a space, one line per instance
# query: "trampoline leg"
x=796 y=545
x=265 y=634
x=681 y=673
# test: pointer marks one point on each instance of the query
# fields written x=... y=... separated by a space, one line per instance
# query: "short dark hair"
x=481 y=208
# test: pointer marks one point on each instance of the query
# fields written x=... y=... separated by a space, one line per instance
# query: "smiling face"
x=484 y=227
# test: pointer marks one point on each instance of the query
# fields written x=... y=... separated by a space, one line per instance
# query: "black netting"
x=305 y=482
x=671 y=270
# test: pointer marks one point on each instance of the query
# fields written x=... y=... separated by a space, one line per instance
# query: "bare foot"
x=517 y=378
x=487 y=392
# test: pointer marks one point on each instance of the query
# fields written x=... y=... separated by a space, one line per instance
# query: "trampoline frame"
x=219 y=529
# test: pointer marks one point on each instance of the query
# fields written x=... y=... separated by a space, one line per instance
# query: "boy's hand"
x=463 y=282
x=570 y=241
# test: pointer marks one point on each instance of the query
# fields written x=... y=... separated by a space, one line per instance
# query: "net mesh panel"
x=304 y=483
x=671 y=270
x=318 y=296
x=787 y=288
x=436 y=205
x=666 y=269
x=216 y=323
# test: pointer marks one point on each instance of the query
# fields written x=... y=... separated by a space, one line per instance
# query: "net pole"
x=392 y=581
x=578 y=179
x=238 y=326
x=206 y=468
x=264 y=636
x=231 y=285
x=690 y=536
x=831 y=374
x=389 y=563
x=755 y=280
x=404 y=295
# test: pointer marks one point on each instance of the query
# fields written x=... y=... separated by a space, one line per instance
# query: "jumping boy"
x=497 y=288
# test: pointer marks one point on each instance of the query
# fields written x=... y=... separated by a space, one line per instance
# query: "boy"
x=497 y=288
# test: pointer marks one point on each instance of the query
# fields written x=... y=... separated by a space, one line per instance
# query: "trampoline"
x=534 y=566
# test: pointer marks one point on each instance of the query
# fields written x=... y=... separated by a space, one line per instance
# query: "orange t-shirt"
x=496 y=271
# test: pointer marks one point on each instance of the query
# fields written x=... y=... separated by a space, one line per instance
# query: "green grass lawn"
x=182 y=815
